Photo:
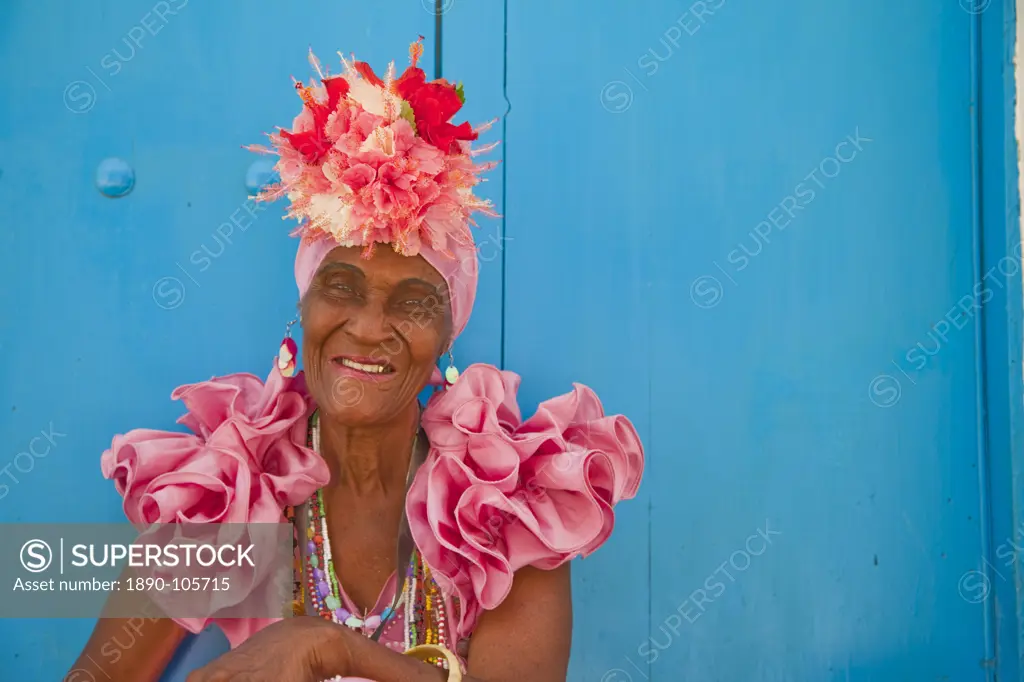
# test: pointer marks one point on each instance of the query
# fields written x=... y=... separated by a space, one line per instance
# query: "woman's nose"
x=369 y=324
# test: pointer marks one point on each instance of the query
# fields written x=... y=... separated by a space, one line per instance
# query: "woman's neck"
x=369 y=460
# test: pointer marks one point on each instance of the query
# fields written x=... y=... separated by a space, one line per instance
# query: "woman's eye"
x=413 y=307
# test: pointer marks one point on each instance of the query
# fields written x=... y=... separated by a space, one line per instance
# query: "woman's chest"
x=364 y=560
x=352 y=550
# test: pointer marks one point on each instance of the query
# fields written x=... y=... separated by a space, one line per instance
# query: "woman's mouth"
x=362 y=368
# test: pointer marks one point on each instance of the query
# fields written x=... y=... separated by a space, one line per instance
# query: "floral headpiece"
x=373 y=160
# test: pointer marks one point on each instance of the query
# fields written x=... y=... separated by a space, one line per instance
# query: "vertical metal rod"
x=438 y=12
x=981 y=364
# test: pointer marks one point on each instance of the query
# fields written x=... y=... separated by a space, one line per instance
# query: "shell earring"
x=287 y=352
x=451 y=375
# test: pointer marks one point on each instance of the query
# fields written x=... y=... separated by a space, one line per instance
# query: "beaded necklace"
x=420 y=602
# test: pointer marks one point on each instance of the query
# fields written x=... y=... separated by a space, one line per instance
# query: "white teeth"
x=371 y=369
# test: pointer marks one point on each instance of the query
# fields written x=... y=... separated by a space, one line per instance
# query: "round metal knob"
x=114 y=177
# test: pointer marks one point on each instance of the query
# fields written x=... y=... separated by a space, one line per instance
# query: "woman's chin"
x=354 y=401
x=352 y=415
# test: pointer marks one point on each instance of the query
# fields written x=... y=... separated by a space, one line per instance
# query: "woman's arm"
x=529 y=636
x=127 y=650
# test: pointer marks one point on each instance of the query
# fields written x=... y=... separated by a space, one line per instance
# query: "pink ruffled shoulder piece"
x=244 y=461
x=498 y=493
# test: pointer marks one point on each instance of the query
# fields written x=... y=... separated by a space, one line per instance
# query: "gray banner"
x=203 y=570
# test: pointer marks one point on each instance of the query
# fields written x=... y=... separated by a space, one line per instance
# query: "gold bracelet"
x=423 y=652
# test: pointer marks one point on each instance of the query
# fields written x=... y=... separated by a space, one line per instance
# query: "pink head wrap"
x=460 y=272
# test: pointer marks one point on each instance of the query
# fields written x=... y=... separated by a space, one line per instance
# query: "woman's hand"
x=299 y=649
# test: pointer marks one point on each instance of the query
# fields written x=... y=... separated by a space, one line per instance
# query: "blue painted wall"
x=779 y=236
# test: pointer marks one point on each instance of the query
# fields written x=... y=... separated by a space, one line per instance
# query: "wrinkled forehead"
x=459 y=270
x=385 y=268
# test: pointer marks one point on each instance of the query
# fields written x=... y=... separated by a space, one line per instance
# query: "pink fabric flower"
x=392 y=193
x=244 y=461
x=497 y=493
x=358 y=177
x=426 y=190
x=304 y=122
x=429 y=159
x=339 y=123
x=364 y=123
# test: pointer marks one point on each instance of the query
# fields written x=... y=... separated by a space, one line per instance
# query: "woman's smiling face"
x=373 y=330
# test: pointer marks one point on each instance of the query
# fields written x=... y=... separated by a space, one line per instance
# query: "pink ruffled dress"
x=496 y=493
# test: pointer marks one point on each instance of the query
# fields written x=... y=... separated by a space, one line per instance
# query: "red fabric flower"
x=409 y=82
x=337 y=88
x=366 y=72
x=314 y=144
x=433 y=105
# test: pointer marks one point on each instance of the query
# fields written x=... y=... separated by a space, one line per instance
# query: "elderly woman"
x=432 y=543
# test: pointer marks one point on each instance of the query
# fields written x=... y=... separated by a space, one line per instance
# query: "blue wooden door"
x=753 y=228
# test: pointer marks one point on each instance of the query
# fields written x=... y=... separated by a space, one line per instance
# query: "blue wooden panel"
x=111 y=303
x=578 y=282
x=995 y=34
x=474 y=53
x=670 y=245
